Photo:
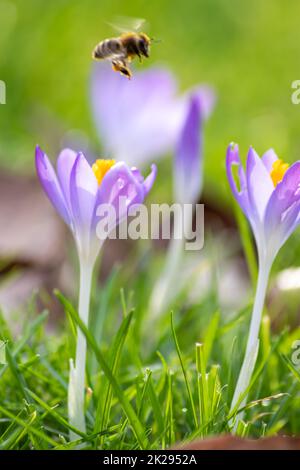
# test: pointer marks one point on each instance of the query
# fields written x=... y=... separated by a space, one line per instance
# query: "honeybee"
x=120 y=51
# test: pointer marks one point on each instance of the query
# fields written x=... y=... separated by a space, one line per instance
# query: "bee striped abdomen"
x=107 y=48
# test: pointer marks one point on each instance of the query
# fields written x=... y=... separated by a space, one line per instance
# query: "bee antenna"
x=155 y=41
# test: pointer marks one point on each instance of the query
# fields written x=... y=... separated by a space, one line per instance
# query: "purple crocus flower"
x=188 y=154
x=77 y=191
x=268 y=192
x=141 y=119
x=269 y=195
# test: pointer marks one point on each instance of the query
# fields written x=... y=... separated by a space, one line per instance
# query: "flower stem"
x=253 y=338
x=166 y=287
x=77 y=373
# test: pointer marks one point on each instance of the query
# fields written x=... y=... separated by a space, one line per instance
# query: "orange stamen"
x=101 y=167
x=278 y=170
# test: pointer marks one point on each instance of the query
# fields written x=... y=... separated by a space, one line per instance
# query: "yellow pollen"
x=278 y=170
x=101 y=167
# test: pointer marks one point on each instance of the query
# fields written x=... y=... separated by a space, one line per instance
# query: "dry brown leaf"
x=228 y=442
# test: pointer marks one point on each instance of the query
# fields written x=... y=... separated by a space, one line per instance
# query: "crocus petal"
x=290 y=222
x=50 y=184
x=241 y=194
x=64 y=165
x=137 y=174
x=188 y=158
x=120 y=181
x=148 y=183
x=121 y=188
x=281 y=215
x=268 y=158
x=259 y=184
x=146 y=121
x=83 y=193
x=207 y=99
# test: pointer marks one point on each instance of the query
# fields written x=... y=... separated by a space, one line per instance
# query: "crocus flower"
x=77 y=190
x=141 y=119
x=268 y=192
x=188 y=154
x=187 y=186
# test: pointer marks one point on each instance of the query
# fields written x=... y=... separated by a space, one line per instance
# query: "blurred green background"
x=249 y=51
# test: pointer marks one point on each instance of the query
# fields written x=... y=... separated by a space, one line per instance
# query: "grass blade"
x=202 y=385
x=114 y=364
x=28 y=426
x=184 y=372
x=56 y=415
x=25 y=338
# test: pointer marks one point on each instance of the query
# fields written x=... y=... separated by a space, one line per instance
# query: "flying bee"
x=120 y=51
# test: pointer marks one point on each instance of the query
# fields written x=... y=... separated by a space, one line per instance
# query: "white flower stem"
x=166 y=287
x=76 y=392
x=253 y=338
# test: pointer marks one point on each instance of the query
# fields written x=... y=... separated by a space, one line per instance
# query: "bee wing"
x=123 y=24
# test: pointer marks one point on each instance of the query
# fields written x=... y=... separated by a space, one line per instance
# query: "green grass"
x=143 y=392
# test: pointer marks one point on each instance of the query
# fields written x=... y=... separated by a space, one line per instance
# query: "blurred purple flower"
x=268 y=192
x=141 y=119
x=188 y=156
x=187 y=186
x=76 y=193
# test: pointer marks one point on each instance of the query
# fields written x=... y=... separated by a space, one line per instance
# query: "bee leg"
x=122 y=67
x=136 y=51
x=126 y=72
x=138 y=54
x=114 y=66
x=130 y=58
